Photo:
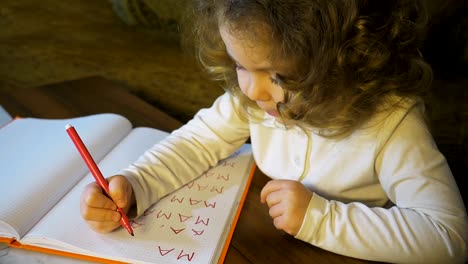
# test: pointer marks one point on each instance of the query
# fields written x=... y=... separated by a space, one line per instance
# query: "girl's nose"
x=258 y=90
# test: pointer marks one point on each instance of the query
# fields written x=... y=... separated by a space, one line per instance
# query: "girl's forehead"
x=252 y=50
x=240 y=43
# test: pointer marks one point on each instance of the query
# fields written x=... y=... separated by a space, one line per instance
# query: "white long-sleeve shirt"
x=384 y=193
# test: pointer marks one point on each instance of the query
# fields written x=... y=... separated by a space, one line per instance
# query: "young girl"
x=327 y=91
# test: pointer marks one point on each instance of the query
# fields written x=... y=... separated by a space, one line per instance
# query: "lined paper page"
x=39 y=163
x=187 y=226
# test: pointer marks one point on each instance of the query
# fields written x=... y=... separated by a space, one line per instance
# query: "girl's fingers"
x=271 y=186
x=119 y=190
x=273 y=198
x=94 y=197
x=99 y=214
x=276 y=211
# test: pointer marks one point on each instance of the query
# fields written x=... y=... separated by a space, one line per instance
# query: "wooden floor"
x=49 y=41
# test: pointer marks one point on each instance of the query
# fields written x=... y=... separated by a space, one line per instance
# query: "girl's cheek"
x=243 y=80
x=278 y=94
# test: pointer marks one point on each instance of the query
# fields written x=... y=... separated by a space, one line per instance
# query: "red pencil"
x=96 y=172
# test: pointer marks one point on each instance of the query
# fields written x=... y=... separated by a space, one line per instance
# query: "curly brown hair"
x=350 y=56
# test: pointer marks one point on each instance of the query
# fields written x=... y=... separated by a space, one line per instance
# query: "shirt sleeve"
x=428 y=222
x=213 y=134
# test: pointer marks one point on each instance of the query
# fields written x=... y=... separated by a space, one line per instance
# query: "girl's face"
x=257 y=76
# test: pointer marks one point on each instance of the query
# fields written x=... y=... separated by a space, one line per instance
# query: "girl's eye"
x=278 y=79
x=238 y=67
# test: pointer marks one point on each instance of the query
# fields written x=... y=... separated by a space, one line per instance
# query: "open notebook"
x=43 y=177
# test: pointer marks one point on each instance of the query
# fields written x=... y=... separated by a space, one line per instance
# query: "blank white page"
x=39 y=163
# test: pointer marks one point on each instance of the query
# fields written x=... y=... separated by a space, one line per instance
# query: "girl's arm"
x=213 y=134
x=428 y=222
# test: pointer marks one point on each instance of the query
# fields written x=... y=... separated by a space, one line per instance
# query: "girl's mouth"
x=273 y=113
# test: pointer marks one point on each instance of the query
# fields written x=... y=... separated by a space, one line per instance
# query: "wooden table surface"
x=255 y=238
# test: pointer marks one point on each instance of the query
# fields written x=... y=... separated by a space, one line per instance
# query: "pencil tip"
x=132 y=234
